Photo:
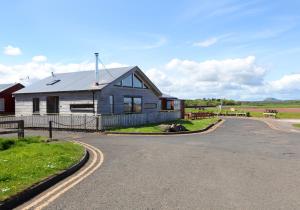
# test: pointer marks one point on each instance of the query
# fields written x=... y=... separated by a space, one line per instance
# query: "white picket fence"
x=88 y=122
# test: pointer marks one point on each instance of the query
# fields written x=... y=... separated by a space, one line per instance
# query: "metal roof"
x=5 y=86
x=76 y=81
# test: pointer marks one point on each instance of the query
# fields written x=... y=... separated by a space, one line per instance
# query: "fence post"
x=97 y=122
x=21 y=129
x=85 y=122
x=50 y=129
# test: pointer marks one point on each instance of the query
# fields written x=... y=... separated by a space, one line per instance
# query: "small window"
x=82 y=107
x=111 y=104
x=137 y=83
x=53 y=82
x=127 y=82
x=150 y=106
x=35 y=105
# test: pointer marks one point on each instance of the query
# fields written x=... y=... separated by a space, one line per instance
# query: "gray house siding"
x=24 y=104
x=119 y=93
x=148 y=96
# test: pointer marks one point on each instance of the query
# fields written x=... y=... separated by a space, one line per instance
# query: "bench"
x=270 y=113
x=199 y=115
x=244 y=114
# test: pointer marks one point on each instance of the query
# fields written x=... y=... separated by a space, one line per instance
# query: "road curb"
x=36 y=189
x=164 y=134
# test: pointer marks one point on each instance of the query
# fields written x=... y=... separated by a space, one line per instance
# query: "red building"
x=7 y=102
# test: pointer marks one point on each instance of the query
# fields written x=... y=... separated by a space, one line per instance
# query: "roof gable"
x=140 y=74
x=4 y=87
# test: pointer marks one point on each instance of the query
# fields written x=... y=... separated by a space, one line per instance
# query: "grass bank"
x=191 y=125
x=296 y=125
x=30 y=160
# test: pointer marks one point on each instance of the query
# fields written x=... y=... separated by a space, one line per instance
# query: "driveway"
x=242 y=165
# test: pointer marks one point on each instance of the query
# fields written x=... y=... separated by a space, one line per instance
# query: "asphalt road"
x=242 y=165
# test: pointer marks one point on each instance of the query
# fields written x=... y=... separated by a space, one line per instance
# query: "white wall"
x=24 y=102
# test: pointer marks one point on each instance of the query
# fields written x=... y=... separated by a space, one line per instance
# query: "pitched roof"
x=5 y=86
x=77 y=81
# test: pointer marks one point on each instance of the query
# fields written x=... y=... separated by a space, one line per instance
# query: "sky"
x=243 y=50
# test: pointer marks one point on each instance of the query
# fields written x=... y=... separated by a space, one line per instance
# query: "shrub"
x=6 y=143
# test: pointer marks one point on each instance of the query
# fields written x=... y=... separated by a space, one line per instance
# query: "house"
x=7 y=102
x=106 y=91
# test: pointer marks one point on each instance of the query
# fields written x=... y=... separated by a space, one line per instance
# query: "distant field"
x=272 y=105
x=285 y=111
x=260 y=109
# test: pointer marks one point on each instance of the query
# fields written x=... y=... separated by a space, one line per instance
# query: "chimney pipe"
x=96 y=70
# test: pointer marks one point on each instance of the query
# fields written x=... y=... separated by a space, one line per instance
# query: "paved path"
x=284 y=124
x=242 y=165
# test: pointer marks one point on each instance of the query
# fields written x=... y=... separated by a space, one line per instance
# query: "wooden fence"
x=8 y=127
x=90 y=122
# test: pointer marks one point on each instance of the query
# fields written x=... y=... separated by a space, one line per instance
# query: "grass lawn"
x=191 y=125
x=30 y=160
x=296 y=125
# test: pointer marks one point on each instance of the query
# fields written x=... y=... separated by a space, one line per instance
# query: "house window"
x=52 y=105
x=111 y=104
x=150 y=106
x=177 y=105
x=127 y=104
x=82 y=107
x=35 y=105
x=137 y=105
x=137 y=83
x=127 y=82
x=53 y=82
x=2 y=105
x=132 y=81
x=170 y=105
x=132 y=104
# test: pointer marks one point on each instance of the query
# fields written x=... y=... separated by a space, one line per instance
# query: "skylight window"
x=53 y=82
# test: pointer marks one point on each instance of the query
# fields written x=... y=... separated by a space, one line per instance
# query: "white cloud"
x=13 y=51
x=240 y=78
x=207 y=43
x=38 y=70
x=286 y=84
x=39 y=58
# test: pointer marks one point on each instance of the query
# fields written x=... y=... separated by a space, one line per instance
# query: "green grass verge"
x=191 y=125
x=30 y=160
x=296 y=125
